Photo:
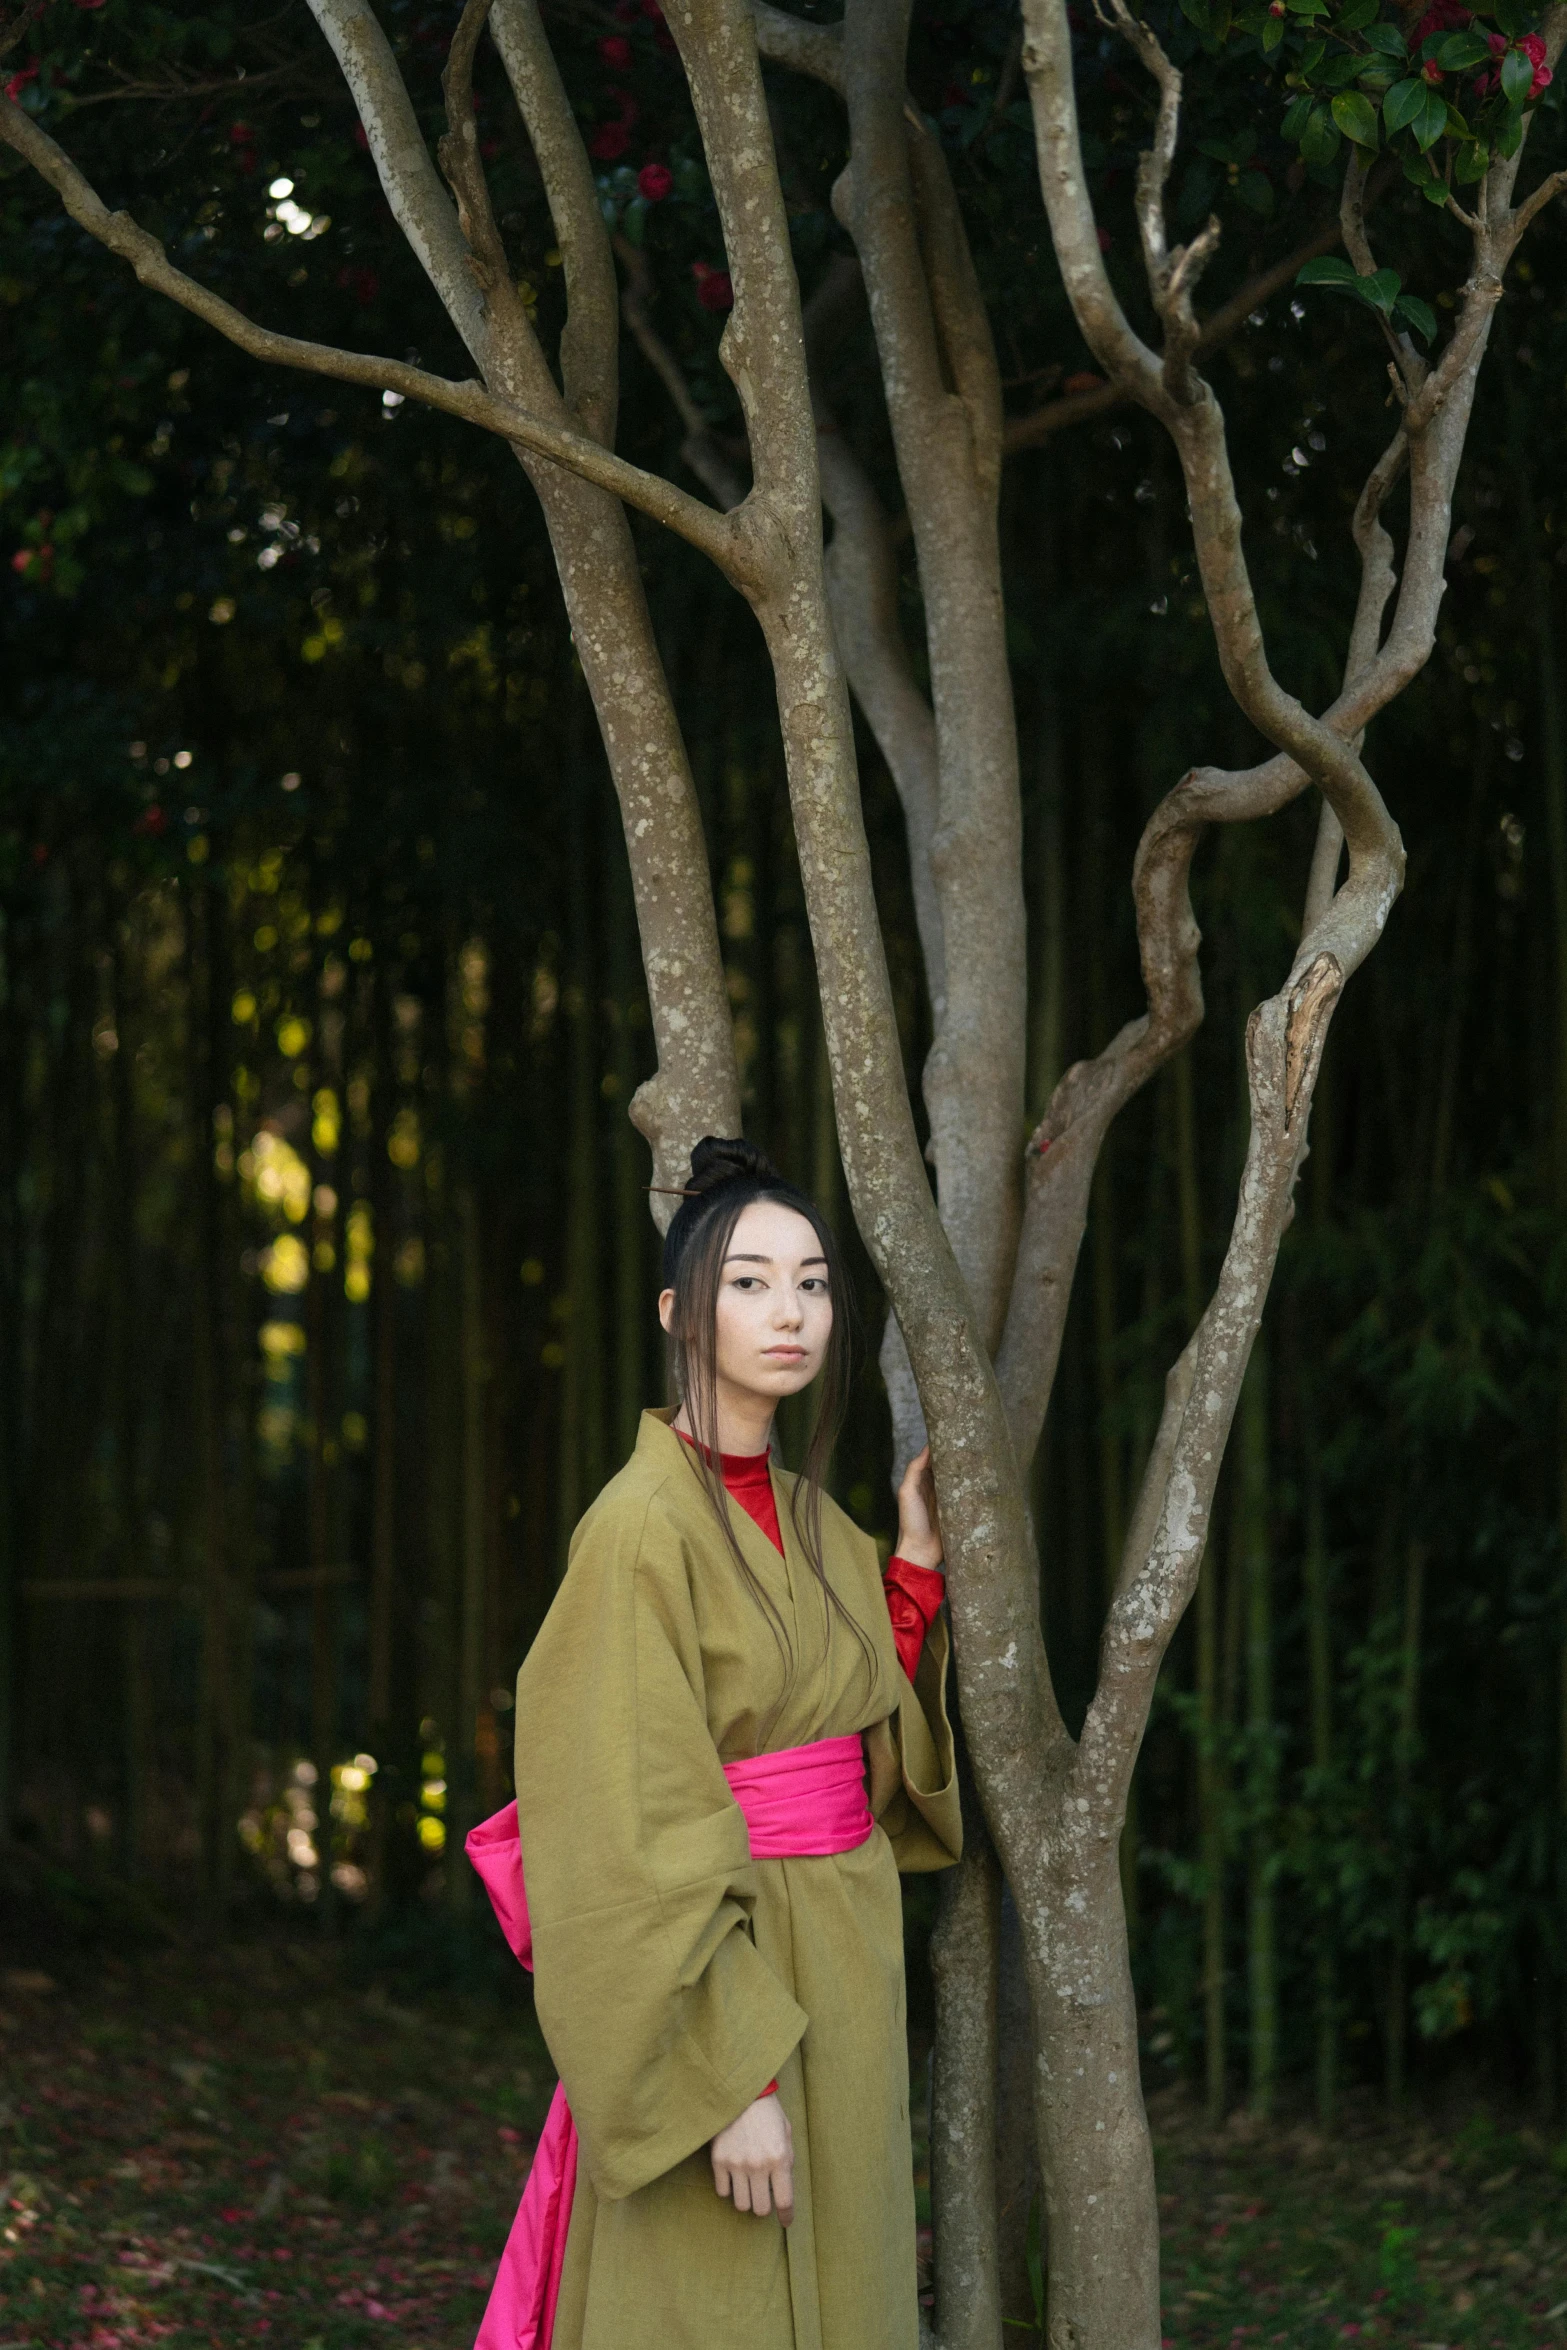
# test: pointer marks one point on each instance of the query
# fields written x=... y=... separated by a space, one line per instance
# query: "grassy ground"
x=242 y=2149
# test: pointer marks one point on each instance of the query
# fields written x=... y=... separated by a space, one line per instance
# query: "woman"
x=715 y=1920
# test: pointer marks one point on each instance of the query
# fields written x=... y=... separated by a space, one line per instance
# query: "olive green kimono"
x=674 y=1975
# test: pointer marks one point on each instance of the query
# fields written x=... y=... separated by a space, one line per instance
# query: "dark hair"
x=726 y=1176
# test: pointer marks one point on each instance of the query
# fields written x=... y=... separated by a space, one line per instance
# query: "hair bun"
x=720 y=1159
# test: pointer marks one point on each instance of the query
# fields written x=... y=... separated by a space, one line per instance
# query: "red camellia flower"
x=609 y=142
x=615 y=50
x=654 y=181
x=92 y=3
x=714 y=287
x=1533 y=47
x=19 y=81
x=1443 y=16
x=1431 y=72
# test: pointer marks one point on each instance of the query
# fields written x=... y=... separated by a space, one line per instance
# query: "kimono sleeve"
x=914 y=1780
x=661 y=2016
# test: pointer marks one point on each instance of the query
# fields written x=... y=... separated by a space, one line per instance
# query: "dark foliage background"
x=325 y=1269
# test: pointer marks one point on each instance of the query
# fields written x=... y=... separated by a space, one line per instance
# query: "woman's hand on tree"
x=753 y=2160
x=919 y=1524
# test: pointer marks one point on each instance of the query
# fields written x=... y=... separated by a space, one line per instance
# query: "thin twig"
x=701 y=448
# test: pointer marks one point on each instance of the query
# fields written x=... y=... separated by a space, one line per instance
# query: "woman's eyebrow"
x=740 y=1257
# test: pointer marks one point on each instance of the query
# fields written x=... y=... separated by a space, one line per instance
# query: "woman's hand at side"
x=919 y=1524
x=753 y=2160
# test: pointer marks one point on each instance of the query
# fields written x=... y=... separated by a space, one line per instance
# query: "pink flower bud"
x=654 y=181
x=615 y=50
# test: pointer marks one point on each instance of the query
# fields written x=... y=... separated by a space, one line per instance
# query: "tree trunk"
x=965 y=1955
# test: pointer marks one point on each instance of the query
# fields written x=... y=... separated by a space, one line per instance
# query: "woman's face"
x=774 y=1307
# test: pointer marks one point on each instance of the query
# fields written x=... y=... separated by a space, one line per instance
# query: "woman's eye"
x=745 y=1281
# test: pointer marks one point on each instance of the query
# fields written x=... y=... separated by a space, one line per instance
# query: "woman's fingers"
x=753 y=2160
x=757 y=2187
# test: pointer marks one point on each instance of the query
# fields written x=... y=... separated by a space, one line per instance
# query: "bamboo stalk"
x=1251 y=1509
x=1405 y=1743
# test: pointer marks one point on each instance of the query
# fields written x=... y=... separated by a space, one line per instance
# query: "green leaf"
x=1460 y=50
x=1357 y=16
x=1514 y=17
x=1329 y=269
x=1418 y=316
x=1255 y=191
x=1380 y=290
x=1272 y=34
x=1470 y=164
x=1296 y=116
x=1420 y=171
x=1435 y=192
x=1356 y=118
x=1196 y=12
x=1387 y=39
x=1403 y=102
x=1511 y=138
x=1430 y=122
x=1335 y=72
x=1517 y=77
x=1321 y=139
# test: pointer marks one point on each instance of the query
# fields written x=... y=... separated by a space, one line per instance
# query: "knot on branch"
x=1311 y=1003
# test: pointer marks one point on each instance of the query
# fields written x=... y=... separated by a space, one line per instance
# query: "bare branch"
x=1284 y=1043
x=700 y=449
x=589 y=343
x=463 y=166
x=1532 y=206
x=26 y=16
x=420 y=204
x=957 y=304
x=932 y=333
x=814 y=49
x=713 y=534
x=1047 y=64
x=1027 y=432
x=861 y=570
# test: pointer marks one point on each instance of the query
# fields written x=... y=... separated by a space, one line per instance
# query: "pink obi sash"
x=801 y=1803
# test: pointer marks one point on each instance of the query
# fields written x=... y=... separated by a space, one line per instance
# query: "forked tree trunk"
x=977 y=1279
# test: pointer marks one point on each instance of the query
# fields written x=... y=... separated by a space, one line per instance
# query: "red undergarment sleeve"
x=914 y=1597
